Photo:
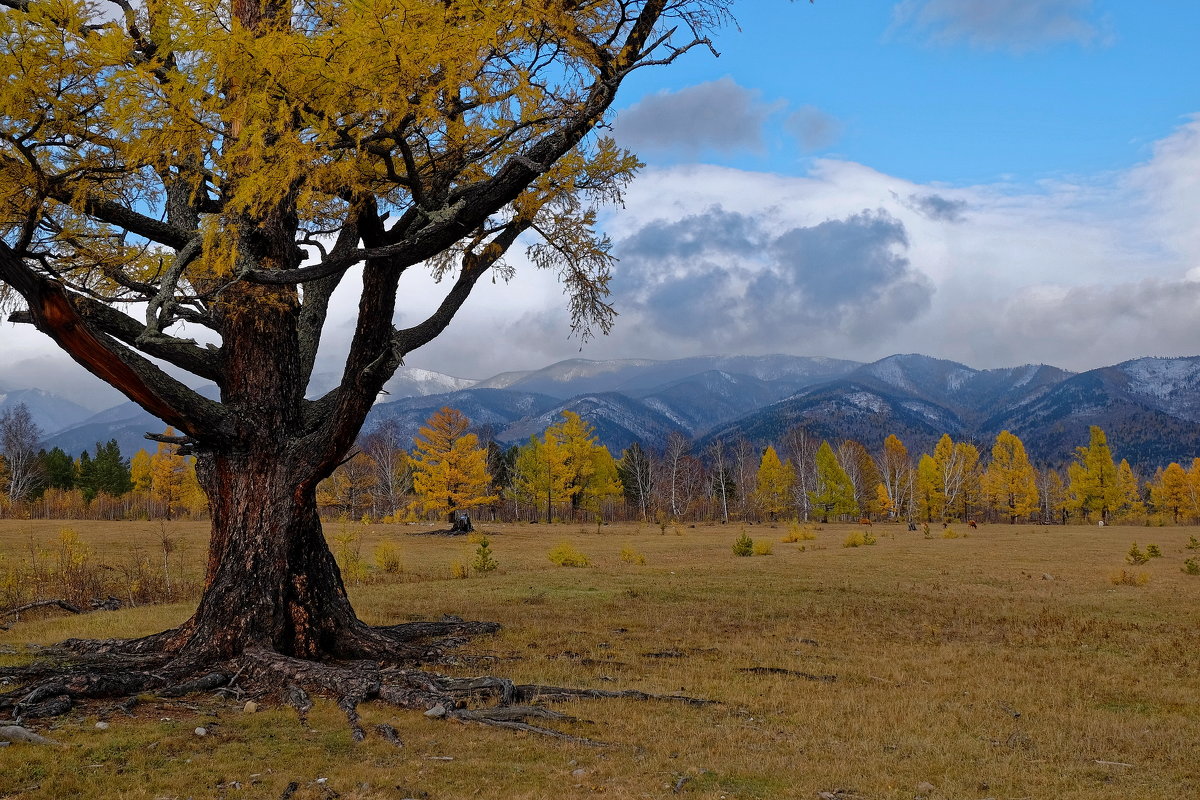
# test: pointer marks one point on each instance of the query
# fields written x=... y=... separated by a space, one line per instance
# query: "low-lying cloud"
x=732 y=283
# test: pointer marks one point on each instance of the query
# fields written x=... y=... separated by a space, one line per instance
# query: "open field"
x=1006 y=664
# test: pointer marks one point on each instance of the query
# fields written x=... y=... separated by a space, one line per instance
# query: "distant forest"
x=564 y=475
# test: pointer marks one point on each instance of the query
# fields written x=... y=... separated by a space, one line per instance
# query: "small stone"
x=1046 y=576
x=250 y=707
x=436 y=712
x=925 y=787
x=101 y=726
x=578 y=773
x=201 y=731
x=322 y=781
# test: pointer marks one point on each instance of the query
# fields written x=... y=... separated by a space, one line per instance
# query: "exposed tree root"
x=82 y=672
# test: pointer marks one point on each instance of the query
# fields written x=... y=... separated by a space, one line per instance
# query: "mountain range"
x=1149 y=407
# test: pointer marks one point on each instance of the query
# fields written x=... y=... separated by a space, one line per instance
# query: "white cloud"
x=1014 y=24
x=1078 y=274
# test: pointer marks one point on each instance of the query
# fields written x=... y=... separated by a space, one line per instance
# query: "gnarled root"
x=380 y=664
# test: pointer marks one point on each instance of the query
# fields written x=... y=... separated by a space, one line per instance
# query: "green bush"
x=1191 y=567
x=1136 y=556
x=743 y=545
x=1152 y=551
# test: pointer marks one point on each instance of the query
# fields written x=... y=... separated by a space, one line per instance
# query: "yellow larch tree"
x=591 y=474
x=930 y=499
x=1171 y=494
x=1130 y=492
x=450 y=469
x=141 y=471
x=1092 y=487
x=1010 y=482
x=541 y=476
x=958 y=474
x=773 y=483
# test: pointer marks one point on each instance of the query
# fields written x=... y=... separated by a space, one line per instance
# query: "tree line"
x=97 y=484
x=564 y=474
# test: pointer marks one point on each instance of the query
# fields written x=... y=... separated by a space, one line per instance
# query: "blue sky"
x=996 y=183
x=956 y=100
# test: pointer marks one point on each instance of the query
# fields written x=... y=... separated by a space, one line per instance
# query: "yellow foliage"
x=1127 y=578
x=631 y=556
x=798 y=533
x=449 y=466
x=387 y=557
x=564 y=554
x=773 y=484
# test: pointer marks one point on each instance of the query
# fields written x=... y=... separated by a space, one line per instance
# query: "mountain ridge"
x=1149 y=406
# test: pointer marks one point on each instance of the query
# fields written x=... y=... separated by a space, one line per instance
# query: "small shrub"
x=1136 y=556
x=761 y=548
x=855 y=539
x=565 y=555
x=798 y=533
x=1152 y=551
x=743 y=545
x=483 y=561
x=949 y=533
x=925 y=530
x=387 y=557
x=1193 y=544
x=869 y=538
x=475 y=537
x=459 y=570
x=631 y=556
x=348 y=555
x=1127 y=578
x=1191 y=567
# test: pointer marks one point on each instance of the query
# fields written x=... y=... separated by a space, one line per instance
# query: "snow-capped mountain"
x=1150 y=407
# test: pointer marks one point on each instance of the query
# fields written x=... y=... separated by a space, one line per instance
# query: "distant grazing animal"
x=971 y=522
x=865 y=521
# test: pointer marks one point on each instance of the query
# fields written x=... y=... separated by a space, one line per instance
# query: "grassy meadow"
x=1004 y=663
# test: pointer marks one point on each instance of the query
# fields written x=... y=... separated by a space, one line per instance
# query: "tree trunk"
x=271 y=579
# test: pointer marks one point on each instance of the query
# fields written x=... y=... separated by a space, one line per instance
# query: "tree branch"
x=51 y=311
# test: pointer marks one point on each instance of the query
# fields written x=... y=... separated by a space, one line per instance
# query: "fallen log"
x=63 y=604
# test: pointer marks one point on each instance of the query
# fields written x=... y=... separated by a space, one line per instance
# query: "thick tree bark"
x=271 y=580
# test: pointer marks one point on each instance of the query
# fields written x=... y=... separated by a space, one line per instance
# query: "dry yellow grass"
x=1004 y=664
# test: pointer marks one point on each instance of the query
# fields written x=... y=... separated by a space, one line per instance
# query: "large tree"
x=187 y=185
x=450 y=471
